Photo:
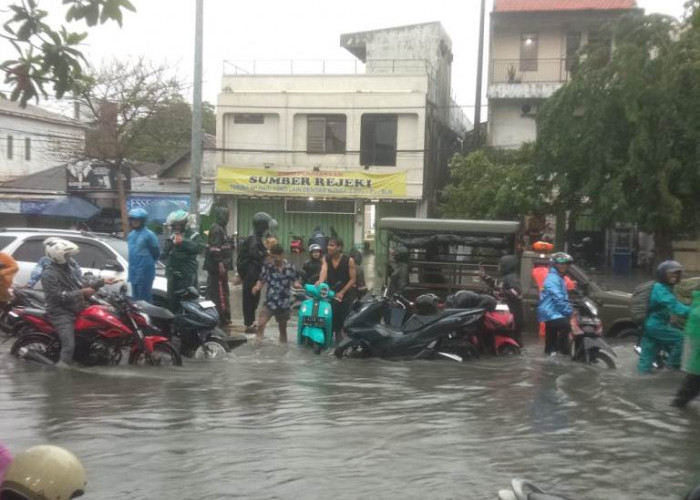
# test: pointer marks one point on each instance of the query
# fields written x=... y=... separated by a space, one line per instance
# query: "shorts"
x=280 y=314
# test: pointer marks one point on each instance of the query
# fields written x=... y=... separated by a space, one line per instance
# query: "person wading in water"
x=338 y=270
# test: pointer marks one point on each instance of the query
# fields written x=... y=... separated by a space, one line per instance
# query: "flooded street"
x=279 y=422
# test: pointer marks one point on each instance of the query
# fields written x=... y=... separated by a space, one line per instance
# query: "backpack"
x=639 y=306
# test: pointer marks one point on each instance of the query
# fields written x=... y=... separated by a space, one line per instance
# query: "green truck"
x=445 y=256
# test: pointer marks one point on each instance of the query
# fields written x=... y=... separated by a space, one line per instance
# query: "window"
x=27 y=148
x=573 y=44
x=378 y=140
x=30 y=251
x=92 y=256
x=325 y=134
x=249 y=118
x=6 y=240
x=9 y=147
x=528 y=52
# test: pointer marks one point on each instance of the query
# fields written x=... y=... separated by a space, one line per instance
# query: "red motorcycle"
x=102 y=332
x=296 y=243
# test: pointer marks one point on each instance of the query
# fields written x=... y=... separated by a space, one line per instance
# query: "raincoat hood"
x=221 y=216
x=508 y=264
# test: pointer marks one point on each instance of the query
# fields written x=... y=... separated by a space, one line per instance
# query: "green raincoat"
x=691 y=357
x=181 y=264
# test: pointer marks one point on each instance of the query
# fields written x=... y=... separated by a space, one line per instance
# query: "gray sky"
x=163 y=31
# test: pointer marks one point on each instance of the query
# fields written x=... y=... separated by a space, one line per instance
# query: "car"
x=104 y=255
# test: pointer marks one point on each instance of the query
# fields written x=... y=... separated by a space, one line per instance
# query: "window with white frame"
x=326 y=134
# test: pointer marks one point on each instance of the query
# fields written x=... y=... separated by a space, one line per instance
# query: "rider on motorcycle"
x=180 y=253
x=65 y=295
x=44 y=473
x=312 y=268
x=554 y=308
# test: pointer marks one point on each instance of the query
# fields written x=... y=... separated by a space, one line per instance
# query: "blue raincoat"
x=554 y=299
x=144 y=251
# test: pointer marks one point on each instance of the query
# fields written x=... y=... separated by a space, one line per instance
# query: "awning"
x=159 y=206
x=19 y=204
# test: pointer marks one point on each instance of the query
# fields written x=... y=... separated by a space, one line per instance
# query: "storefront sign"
x=94 y=176
x=258 y=181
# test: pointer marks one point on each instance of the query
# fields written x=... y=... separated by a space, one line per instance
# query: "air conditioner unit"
x=528 y=109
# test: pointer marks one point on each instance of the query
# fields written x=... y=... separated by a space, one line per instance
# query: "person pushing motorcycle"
x=180 y=253
x=554 y=308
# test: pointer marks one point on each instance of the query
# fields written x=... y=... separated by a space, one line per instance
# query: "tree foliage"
x=621 y=139
x=494 y=184
x=50 y=55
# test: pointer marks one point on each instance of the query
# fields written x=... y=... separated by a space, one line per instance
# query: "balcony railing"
x=328 y=67
x=530 y=70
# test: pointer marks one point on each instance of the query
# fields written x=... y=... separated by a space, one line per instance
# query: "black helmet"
x=667 y=266
x=427 y=304
x=562 y=258
x=221 y=215
x=262 y=222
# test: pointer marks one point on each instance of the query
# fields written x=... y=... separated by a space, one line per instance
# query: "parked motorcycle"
x=102 y=332
x=296 y=243
x=315 y=324
x=422 y=336
x=524 y=490
x=10 y=322
x=587 y=344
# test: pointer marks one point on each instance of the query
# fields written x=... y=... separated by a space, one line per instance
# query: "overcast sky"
x=163 y=30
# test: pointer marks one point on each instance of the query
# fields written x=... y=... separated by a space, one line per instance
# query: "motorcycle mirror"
x=112 y=265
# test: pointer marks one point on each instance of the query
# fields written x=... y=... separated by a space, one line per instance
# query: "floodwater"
x=280 y=422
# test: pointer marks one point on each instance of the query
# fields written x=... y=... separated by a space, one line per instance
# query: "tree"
x=49 y=55
x=122 y=98
x=621 y=138
x=494 y=184
x=168 y=130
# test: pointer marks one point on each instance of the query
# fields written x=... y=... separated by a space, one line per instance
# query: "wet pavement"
x=280 y=422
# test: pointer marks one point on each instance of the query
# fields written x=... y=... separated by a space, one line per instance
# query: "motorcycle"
x=586 y=339
x=102 y=332
x=296 y=244
x=195 y=327
x=524 y=490
x=315 y=324
x=422 y=336
x=10 y=323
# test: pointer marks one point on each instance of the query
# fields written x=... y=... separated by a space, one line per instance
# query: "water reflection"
x=279 y=422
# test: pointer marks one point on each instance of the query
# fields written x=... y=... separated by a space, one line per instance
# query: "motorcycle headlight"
x=591 y=306
x=145 y=317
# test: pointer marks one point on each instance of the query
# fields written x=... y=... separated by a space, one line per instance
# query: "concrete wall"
x=50 y=144
x=508 y=127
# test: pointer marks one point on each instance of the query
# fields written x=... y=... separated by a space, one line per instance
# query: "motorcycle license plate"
x=313 y=321
x=206 y=304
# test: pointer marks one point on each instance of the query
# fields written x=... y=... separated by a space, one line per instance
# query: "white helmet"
x=45 y=473
x=61 y=250
x=50 y=241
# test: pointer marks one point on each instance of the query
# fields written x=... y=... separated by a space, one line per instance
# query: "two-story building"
x=317 y=149
x=534 y=45
x=33 y=139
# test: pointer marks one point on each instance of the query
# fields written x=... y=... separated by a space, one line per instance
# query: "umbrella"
x=159 y=210
x=72 y=207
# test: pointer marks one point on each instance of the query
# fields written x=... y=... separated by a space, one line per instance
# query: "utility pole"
x=479 y=65
x=196 y=146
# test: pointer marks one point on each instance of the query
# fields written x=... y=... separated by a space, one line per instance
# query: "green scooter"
x=315 y=325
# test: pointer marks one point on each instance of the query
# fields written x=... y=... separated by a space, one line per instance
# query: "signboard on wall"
x=94 y=176
x=337 y=184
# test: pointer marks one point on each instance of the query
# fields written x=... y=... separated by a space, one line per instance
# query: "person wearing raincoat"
x=690 y=388
x=180 y=254
x=144 y=251
x=8 y=270
x=658 y=330
x=554 y=308
x=218 y=262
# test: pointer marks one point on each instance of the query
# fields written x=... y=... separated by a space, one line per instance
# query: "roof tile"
x=557 y=5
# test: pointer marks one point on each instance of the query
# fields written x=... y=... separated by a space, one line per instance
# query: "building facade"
x=33 y=139
x=534 y=46
x=315 y=149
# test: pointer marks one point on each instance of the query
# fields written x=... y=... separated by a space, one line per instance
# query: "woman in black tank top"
x=340 y=279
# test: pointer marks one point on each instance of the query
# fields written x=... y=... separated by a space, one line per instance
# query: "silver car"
x=104 y=255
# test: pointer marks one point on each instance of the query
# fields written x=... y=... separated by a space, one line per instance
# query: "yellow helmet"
x=45 y=473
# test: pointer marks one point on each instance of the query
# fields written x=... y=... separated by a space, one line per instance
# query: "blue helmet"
x=138 y=213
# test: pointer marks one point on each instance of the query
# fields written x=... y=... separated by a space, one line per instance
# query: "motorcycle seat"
x=419 y=321
x=40 y=313
x=385 y=331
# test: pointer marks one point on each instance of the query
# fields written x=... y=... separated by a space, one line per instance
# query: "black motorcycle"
x=421 y=336
x=587 y=344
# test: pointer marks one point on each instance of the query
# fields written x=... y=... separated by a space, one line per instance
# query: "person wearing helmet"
x=218 y=262
x=311 y=269
x=658 y=328
x=249 y=264
x=44 y=262
x=180 y=254
x=65 y=295
x=44 y=472
x=144 y=251
x=554 y=308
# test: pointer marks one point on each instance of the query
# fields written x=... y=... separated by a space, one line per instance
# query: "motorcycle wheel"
x=509 y=350
x=211 y=349
x=164 y=354
x=40 y=343
x=603 y=358
x=351 y=348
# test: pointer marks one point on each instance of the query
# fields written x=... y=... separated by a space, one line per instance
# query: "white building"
x=33 y=139
x=533 y=48
x=314 y=149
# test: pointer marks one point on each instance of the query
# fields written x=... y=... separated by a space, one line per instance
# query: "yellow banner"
x=351 y=184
